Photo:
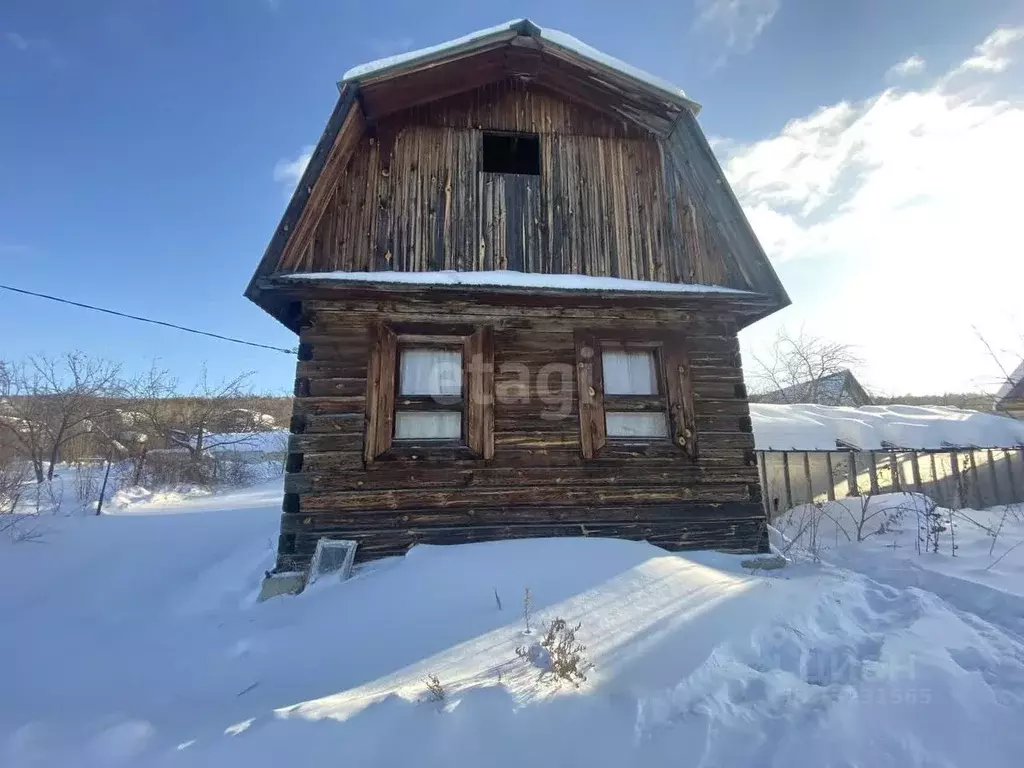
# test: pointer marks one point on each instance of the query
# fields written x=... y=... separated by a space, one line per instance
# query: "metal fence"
x=953 y=477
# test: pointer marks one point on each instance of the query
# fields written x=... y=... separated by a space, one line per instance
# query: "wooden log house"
x=517 y=274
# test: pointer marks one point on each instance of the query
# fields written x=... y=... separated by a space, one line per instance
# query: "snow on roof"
x=552 y=36
x=563 y=40
x=506 y=278
x=806 y=427
x=388 y=62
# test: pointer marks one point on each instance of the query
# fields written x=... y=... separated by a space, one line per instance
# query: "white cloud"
x=894 y=223
x=991 y=55
x=35 y=46
x=17 y=42
x=737 y=23
x=909 y=66
x=288 y=172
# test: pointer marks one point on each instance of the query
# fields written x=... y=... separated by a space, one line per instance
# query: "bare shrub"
x=166 y=469
x=275 y=461
x=805 y=529
x=929 y=525
x=563 y=654
x=231 y=470
x=995 y=562
x=802 y=528
x=435 y=690
x=49 y=497
x=527 y=610
x=13 y=476
x=87 y=482
x=21 y=528
x=1007 y=510
x=886 y=518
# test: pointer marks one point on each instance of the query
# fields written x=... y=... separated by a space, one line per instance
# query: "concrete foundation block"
x=286 y=583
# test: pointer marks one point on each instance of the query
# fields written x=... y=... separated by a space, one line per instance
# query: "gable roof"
x=549 y=59
x=520 y=33
x=827 y=390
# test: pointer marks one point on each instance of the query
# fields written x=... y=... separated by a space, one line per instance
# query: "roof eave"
x=347 y=98
x=432 y=56
x=779 y=292
x=281 y=292
x=675 y=96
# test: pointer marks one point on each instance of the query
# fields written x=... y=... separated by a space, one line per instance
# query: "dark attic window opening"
x=511 y=153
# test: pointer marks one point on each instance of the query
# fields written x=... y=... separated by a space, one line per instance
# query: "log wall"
x=537 y=483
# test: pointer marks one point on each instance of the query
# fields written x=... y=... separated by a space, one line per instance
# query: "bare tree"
x=800 y=359
x=46 y=402
x=191 y=422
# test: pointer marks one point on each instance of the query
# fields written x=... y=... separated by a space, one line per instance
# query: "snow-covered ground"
x=974 y=557
x=806 y=427
x=134 y=639
x=75 y=488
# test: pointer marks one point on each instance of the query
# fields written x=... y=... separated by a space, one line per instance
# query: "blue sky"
x=140 y=140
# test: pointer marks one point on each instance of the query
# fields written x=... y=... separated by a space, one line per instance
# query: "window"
x=511 y=153
x=429 y=404
x=632 y=380
x=429 y=391
x=332 y=556
x=634 y=388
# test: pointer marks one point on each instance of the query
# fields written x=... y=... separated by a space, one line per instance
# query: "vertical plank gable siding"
x=611 y=200
x=537 y=482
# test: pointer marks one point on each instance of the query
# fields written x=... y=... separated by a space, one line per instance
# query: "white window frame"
x=431 y=403
x=621 y=405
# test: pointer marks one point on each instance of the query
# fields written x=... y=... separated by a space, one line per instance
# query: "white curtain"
x=629 y=373
x=427 y=371
x=635 y=424
x=428 y=425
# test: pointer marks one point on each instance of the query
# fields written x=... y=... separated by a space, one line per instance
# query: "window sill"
x=640 y=440
x=631 y=447
x=428 y=450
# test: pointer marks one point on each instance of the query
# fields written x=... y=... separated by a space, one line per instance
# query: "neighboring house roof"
x=840 y=388
x=1013 y=387
x=548 y=59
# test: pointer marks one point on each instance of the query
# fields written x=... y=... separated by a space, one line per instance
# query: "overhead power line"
x=146 y=320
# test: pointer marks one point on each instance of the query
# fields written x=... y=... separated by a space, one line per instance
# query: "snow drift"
x=134 y=640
